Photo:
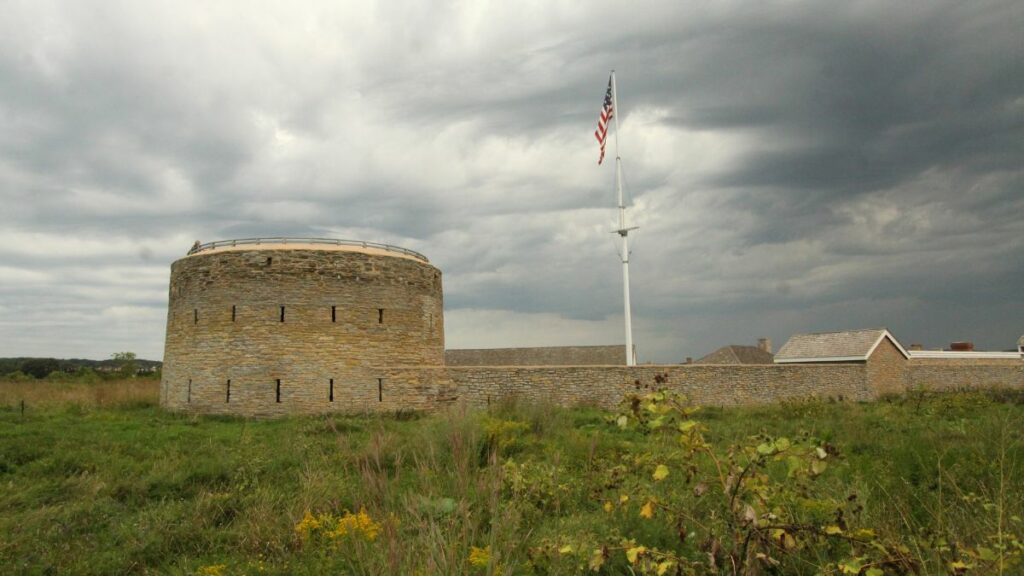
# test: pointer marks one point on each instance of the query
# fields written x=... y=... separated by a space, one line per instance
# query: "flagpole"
x=623 y=230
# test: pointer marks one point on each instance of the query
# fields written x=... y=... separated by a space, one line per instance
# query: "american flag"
x=607 y=112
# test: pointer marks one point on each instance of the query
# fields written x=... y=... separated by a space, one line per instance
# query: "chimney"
x=916 y=347
x=689 y=359
x=765 y=344
x=962 y=346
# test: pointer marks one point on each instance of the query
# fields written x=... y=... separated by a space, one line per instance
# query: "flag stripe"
x=607 y=113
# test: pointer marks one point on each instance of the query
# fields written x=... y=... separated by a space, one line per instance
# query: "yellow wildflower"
x=307 y=525
x=480 y=557
x=212 y=570
x=359 y=524
x=647 y=511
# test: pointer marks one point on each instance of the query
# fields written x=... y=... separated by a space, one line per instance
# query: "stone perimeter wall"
x=605 y=386
x=960 y=373
x=424 y=388
x=887 y=372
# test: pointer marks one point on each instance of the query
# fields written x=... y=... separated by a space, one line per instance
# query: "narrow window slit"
x=232 y=312
x=188 y=398
x=278 y=393
x=380 y=389
x=195 y=315
x=380 y=315
x=282 y=313
x=270 y=260
x=330 y=394
x=334 y=313
x=227 y=394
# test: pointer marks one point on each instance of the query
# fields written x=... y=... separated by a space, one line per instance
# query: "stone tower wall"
x=224 y=323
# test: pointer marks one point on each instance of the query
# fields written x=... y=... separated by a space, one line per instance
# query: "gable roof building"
x=735 y=354
x=845 y=346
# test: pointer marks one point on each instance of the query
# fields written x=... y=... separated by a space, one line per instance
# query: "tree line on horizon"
x=120 y=364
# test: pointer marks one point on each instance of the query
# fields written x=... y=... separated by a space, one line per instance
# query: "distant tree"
x=9 y=365
x=39 y=367
x=87 y=375
x=18 y=376
x=126 y=362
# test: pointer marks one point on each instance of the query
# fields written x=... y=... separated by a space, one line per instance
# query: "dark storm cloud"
x=795 y=166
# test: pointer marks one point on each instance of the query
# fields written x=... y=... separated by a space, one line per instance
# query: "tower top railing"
x=196 y=248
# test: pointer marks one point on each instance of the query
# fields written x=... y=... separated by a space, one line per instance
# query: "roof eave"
x=963 y=354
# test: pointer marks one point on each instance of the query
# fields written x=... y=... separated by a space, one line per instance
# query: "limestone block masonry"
x=315 y=326
x=298 y=328
x=960 y=373
x=606 y=386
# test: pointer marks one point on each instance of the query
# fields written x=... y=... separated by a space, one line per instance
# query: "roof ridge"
x=882 y=329
x=733 y=352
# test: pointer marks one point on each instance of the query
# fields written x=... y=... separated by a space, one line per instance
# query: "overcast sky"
x=792 y=166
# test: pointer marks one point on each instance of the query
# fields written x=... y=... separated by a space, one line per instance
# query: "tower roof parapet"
x=287 y=242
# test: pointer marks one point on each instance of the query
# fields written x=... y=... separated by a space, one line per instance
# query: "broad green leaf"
x=852 y=566
x=447 y=505
x=818 y=466
x=597 y=560
x=782 y=444
x=635 y=552
x=793 y=465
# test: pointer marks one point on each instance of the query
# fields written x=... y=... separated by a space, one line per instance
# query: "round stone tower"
x=274 y=326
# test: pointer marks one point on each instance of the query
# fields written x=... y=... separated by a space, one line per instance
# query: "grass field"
x=96 y=479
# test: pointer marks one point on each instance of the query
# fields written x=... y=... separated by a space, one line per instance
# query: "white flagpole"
x=623 y=230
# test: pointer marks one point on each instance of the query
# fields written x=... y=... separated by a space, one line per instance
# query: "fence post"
x=23 y=408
